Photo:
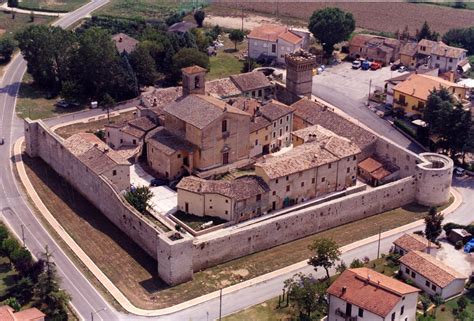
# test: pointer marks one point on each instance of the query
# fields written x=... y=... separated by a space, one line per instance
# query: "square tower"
x=194 y=80
x=299 y=72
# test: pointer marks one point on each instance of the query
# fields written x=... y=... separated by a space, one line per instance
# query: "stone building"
x=281 y=118
x=100 y=158
x=377 y=173
x=131 y=133
x=309 y=170
x=253 y=84
x=431 y=275
x=365 y=294
x=309 y=113
x=299 y=73
x=381 y=49
x=231 y=200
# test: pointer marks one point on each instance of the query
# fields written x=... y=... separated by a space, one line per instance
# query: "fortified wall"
x=42 y=142
x=425 y=178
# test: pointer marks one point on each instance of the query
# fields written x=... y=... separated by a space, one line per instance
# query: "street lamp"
x=96 y=312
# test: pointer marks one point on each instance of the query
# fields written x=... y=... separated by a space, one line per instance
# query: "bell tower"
x=194 y=80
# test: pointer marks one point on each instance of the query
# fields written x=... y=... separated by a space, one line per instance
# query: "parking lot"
x=164 y=199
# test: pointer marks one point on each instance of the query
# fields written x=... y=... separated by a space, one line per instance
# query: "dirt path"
x=250 y=21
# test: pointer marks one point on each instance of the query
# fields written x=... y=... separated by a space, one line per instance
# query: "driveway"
x=457 y=259
x=164 y=199
x=348 y=89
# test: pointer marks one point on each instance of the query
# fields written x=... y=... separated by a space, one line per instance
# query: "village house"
x=412 y=94
x=409 y=55
x=411 y=242
x=253 y=84
x=100 y=158
x=7 y=313
x=281 y=118
x=232 y=200
x=124 y=43
x=431 y=275
x=437 y=54
x=392 y=82
x=131 y=133
x=275 y=41
x=377 y=173
x=308 y=113
x=364 y=294
x=309 y=170
x=381 y=49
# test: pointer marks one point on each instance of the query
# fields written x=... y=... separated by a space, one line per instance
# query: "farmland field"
x=52 y=5
x=387 y=17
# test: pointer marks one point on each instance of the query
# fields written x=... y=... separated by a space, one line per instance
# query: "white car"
x=356 y=64
x=402 y=69
x=458 y=171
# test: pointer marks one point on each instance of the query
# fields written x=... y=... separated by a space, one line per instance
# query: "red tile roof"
x=290 y=37
x=370 y=290
x=193 y=69
x=411 y=242
x=267 y=32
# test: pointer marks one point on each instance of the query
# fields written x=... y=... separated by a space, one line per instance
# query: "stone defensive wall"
x=425 y=179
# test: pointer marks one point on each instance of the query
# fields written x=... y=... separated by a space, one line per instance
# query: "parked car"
x=402 y=69
x=366 y=65
x=375 y=65
x=67 y=104
x=356 y=64
x=459 y=172
x=395 y=66
x=158 y=182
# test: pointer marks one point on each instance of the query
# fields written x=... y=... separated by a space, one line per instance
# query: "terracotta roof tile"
x=290 y=37
x=430 y=268
x=420 y=86
x=168 y=143
x=6 y=313
x=411 y=242
x=31 y=314
x=124 y=42
x=439 y=48
x=360 y=40
x=258 y=123
x=200 y=110
x=370 y=290
x=240 y=188
x=409 y=49
x=251 y=81
x=316 y=114
x=160 y=97
x=274 y=110
x=267 y=32
x=223 y=88
x=193 y=69
x=370 y=165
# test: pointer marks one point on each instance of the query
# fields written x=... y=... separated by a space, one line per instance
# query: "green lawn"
x=447 y=314
x=226 y=62
x=147 y=9
x=52 y=5
x=9 y=26
x=7 y=274
x=32 y=102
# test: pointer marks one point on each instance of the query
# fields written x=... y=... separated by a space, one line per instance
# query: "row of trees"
x=36 y=281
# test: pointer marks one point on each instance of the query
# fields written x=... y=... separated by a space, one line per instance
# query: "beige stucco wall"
x=116 y=138
x=258 y=139
x=281 y=130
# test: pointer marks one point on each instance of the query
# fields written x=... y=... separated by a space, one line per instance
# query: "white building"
x=363 y=294
x=431 y=275
x=275 y=41
x=412 y=242
x=440 y=55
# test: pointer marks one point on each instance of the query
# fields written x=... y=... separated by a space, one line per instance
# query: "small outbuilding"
x=458 y=234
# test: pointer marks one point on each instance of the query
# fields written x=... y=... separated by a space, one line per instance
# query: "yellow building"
x=412 y=94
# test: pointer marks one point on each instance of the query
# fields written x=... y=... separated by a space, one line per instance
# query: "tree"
x=433 y=224
x=462 y=303
x=22 y=260
x=188 y=57
x=214 y=32
x=3 y=233
x=22 y=290
x=356 y=263
x=341 y=267
x=249 y=65
x=425 y=303
x=326 y=253
x=13 y=303
x=139 y=198
x=7 y=46
x=174 y=18
x=448 y=120
x=236 y=36
x=331 y=26
x=426 y=33
x=461 y=37
x=202 y=40
x=199 y=16
x=9 y=246
x=306 y=294
x=465 y=315
x=12 y=3
x=144 y=66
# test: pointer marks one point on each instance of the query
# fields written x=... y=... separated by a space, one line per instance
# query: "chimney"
x=120 y=39
x=344 y=290
x=96 y=145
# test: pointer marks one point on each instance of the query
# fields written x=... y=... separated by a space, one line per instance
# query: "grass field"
x=9 y=26
x=52 y=5
x=32 y=102
x=226 y=63
x=7 y=274
x=134 y=272
x=147 y=9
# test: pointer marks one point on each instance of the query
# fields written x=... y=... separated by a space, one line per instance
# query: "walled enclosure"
x=426 y=179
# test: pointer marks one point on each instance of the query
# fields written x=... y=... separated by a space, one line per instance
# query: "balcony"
x=345 y=316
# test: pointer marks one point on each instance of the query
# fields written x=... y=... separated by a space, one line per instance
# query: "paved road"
x=347 y=89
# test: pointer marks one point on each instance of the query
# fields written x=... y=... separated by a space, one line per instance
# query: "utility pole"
x=378 y=246
x=23 y=234
x=370 y=88
x=220 y=305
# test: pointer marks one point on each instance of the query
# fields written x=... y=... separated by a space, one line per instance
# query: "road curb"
x=127 y=305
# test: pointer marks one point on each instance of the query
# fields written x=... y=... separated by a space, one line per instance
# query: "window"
x=323 y=179
x=274 y=135
x=276 y=181
x=256 y=142
x=274 y=48
x=313 y=180
x=281 y=121
x=287 y=188
x=354 y=158
x=114 y=172
x=121 y=140
x=227 y=201
x=259 y=92
x=302 y=184
x=179 y=155
x=210 y=207
x=450 y=59
x=227 y=212
x=433 y=287
x=286 y=128
x=108 y=134
x=224 y=125
x=407 y=270
x=402 y=99
x=274 y=124
x=287 y=177
x=437 y=57
x=413 y=274
x=348 y=169
x=402 y=310
x=361 y=313
x=266 y=137
x=393 y=316
x=329 y=166
x=259 y=197
x=288 y=118
x=134 y=142
x=281 y=132
x=274 y=193
x=427 y=283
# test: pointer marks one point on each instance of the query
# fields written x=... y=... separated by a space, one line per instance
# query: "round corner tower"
x=299 y=72
x=434 y=177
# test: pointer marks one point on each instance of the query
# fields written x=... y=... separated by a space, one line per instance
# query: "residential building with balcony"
x=365 y=295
